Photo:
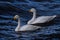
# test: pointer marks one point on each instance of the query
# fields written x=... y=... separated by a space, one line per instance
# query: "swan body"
x=41 y=19
x=25 y=27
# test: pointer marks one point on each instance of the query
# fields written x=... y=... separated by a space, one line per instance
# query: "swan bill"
x=30 y=11
x=14 y=18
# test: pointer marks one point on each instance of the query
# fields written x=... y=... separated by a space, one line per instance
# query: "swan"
x=26 y=27
x=41 y=19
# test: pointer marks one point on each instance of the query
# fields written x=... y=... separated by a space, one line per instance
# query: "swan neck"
x=18 y=26
x=18 y=22
x=34 y=15
x=33 y=18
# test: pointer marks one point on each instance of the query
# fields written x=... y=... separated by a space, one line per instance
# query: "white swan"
x=25 y=27
x=41 y=19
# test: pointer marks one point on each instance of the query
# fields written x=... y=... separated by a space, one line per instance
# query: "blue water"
x=44 y=7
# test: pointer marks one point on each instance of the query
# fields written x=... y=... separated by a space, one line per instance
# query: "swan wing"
x=28 y=28
x=43 y=19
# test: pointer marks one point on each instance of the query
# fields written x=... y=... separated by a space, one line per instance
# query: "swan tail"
x=55 y=15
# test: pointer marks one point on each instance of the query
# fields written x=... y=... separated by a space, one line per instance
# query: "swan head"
x=32 y=10
x=16 y=17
